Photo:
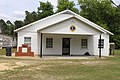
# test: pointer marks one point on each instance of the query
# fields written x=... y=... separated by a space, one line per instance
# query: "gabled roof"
x=73 y=15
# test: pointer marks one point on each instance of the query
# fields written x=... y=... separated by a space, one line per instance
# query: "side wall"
x=105 y=50
x=34 y=39
x=75 y=43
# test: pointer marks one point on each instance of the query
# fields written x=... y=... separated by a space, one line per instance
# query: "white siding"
x=64 y=28
x=105 y=50
x=75 y=44
x=47 y=22
x=34 y=39
x=14 y=42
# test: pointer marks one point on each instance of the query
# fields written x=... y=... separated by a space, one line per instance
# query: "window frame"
x=84 y=43
x=49 y=43
x=27 y=40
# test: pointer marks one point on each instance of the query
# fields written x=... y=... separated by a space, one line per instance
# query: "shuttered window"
x=102 y=43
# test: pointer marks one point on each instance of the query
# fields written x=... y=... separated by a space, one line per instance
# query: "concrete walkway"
x=53 y=57
x=69 y=57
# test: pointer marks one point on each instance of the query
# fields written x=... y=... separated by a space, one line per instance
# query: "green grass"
x=45 y=69
x=3 y=51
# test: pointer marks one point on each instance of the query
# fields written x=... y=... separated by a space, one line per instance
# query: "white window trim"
x=27 y=42
x=49 y=45
x=85 y=46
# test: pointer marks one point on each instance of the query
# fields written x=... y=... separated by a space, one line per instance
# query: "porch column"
x=41 y=46
x=100 y=48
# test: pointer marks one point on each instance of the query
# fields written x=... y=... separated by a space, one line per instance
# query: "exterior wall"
x=105 y=50
x=64 y=28
x=106 y=45
x=14 y=42
x=46 y=22
x=75 y=44
x=34 y=39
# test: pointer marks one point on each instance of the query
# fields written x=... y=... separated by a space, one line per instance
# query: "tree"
x=18 y=24
x=115 y=28
x=9 y=29
x=3 y=25
x=96 y=11
x=29 y=17
x=103 y=13
x=45 y=9
x=66 y=4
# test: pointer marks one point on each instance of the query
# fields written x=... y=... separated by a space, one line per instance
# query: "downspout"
x=100 y=47
x=41 y=46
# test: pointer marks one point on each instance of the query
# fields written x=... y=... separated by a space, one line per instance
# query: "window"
x=84 y=43
x=102 y=43
x=27 y=40
x=49 y=42
x=13 y=38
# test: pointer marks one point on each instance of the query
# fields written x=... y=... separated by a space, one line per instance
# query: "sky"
x=15 y=9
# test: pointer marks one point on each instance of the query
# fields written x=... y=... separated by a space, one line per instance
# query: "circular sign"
x=72 y=28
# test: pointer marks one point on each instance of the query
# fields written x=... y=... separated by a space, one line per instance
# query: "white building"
x=7 y=41
x=64 y=33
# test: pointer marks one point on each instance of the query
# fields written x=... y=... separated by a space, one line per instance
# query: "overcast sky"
x=15 y=9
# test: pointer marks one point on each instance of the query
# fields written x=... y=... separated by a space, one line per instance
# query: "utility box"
x=112 y=47
x=8 y=51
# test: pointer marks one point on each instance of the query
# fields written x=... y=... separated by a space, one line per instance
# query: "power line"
x=115 y=4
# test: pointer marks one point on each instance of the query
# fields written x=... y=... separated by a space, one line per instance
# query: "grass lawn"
x=48 y=69
x=3 y=51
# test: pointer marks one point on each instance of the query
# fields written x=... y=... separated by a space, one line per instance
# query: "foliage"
x=7 y=27
x=45 y=9
x=116 y=40
x=103 y=13
x=30 y=17
x=66 y=4
x=3 y=25
x=3 y=51
x=18 y=24
x=96 y=11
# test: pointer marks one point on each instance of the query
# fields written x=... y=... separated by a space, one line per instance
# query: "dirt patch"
x=5 y=66
x=11 y=66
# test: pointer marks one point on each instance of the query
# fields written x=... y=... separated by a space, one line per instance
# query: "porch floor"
x=70 y=57
x=54 y=57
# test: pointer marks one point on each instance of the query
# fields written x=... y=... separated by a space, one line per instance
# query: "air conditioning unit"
x=112 y=47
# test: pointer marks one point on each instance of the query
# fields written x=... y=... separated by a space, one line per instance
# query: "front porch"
x=65 y=44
